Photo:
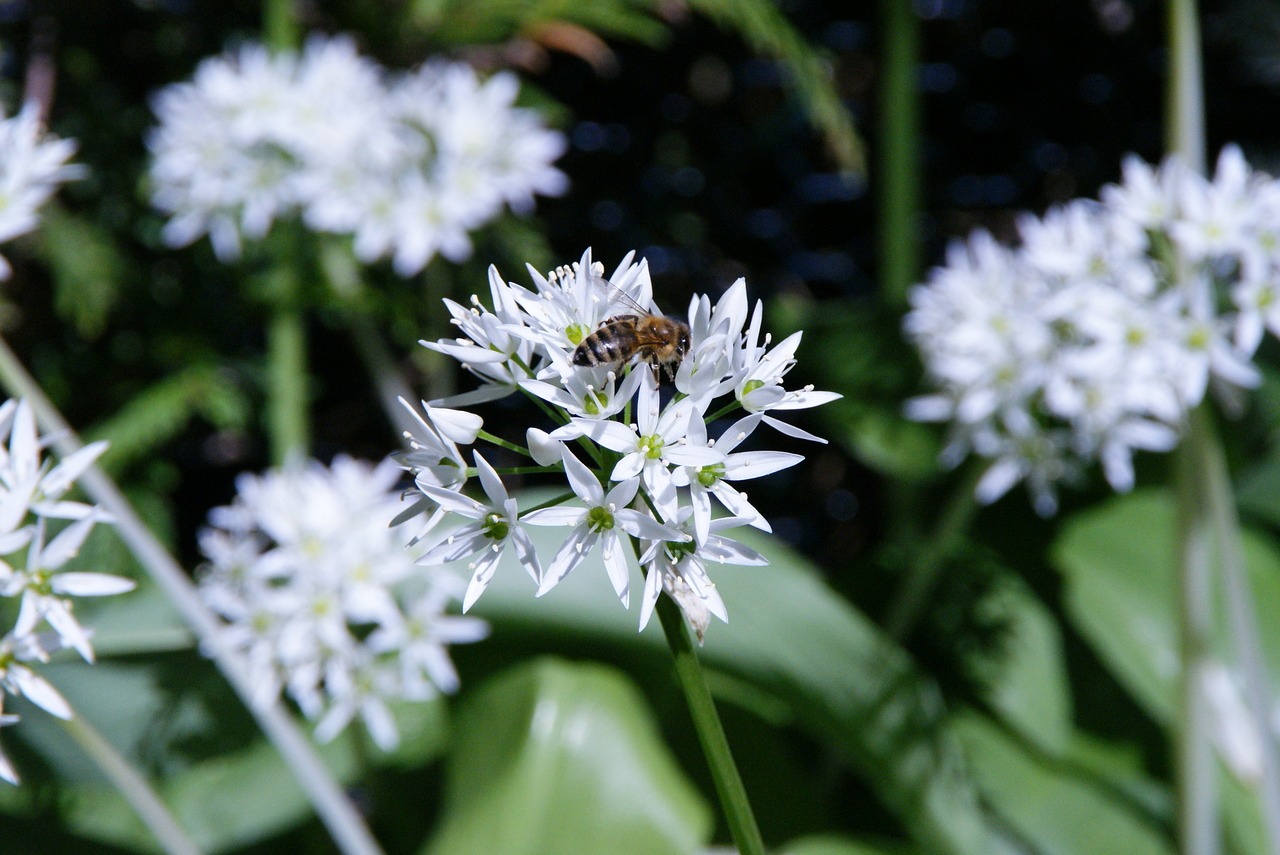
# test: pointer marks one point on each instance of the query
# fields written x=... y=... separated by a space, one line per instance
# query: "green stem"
x=280 y=28
x=898 y=175
x=1241 y=620
x=473 y=472
x=904 y=613
x=706 y=722
x=1196 y=769
x=135 y=789
x=509 y=446
x=287 y=381
x=332 y=806
x=1184 y=121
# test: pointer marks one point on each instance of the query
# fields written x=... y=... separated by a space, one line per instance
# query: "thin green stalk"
x=1196 y=767
x=502 y=443
x=280 y=28
x=332 y=806
x=1199 y=832
x=1184 y=120
x=135 y=789
x=287 y=422
x=904 y=613
x=706 y=722
x=898 y=172
x=1243 y=624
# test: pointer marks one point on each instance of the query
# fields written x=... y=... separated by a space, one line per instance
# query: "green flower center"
x=599 y=519
x=677 y=550
x=709 y=475
x=576 y=333
x=495 y=527
x=651 y=446
x=595 y=403
x=752 y=385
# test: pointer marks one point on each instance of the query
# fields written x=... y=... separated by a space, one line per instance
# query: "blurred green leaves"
x=560 y=759
x=1121 y=577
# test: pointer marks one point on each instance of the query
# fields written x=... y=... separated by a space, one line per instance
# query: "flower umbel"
x=37 y=543
x=650 y=469
x=1096 y=337
x=323 y=597
x=407 y=166
x=32 y=165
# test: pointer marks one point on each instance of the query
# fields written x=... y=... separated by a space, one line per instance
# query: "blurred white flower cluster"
x=324 y=599
x=407 y=165
x=40 y=532
x=639 y=470
x=1104 y=328
x=32 y=165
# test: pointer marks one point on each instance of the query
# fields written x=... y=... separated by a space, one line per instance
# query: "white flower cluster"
x=406 y=166
x=31 y=562
x=32 y=165
x=650 y=473
x=324 y=599
x=1104 y=328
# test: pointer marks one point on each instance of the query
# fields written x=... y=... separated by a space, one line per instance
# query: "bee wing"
x=619 y=302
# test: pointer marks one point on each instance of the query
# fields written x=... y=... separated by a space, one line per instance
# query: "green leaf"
x=1259 y=491
x=1052 y=811
x=1120 y=566
x=558 y=758
x=1120 y=569
x=162 y=411
x=86 y=278
x=472 y=22
x=833 y=845
x=1026 y=685
x=796 y=640
x=1119 y=561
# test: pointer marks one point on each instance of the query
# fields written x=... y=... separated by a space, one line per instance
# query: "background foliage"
x=1027 y=689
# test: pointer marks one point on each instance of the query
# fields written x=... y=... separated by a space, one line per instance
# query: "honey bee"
x=660 y=341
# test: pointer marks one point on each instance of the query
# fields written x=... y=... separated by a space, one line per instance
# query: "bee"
x=660 y=341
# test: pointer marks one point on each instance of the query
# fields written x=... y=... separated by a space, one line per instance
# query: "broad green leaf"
x=1119 y=561
x=1259 y=490
x=832 y=845
x=1121 y=593
x=1027 y=682
x=565 y=759
x=1120 y=567
x=1121 y=767
x=1054 y=812
x=792 y=638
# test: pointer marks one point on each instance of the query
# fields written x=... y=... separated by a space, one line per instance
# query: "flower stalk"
x=706 y=723
x=1215 y=486
x=1196 y=767
x=133 y=786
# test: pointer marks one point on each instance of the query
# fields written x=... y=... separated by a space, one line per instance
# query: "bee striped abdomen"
x=614 y=342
